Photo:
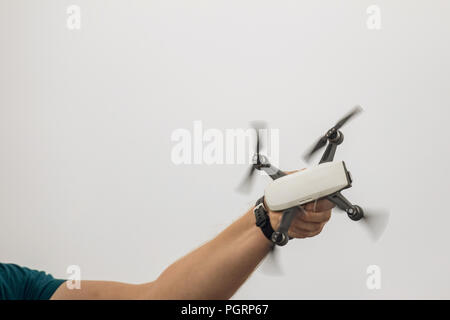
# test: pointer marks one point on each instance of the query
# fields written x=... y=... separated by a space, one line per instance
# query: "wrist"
x=274 y=217
x=265 y=220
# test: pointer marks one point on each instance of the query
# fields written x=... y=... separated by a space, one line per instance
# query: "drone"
x=326 y=180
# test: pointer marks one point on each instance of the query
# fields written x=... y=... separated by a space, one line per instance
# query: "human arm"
x=216 y=269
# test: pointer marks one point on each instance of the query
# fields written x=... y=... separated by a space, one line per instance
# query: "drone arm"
x=354 y=212
x=335 y=139
x=339 y=200
x=273 y=171
x=281 y=237
x=328 y=155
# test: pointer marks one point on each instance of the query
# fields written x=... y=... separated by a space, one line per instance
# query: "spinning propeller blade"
x=351 y=114
x=375 y=222
x=257 y=126
x=271 y=264
x=323 y=140
x=245 y=185
x=319 y=145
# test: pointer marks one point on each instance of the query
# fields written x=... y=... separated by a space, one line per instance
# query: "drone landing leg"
x=354 y=212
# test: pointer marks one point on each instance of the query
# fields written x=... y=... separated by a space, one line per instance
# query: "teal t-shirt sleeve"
x=21 y=283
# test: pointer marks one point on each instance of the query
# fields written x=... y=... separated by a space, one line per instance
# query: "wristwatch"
x=262 y=219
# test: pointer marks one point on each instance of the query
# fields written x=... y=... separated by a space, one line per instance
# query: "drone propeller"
x=351 y=114
x=375 y=222
x=323 y=140
x=245 y=185
x=271 y=264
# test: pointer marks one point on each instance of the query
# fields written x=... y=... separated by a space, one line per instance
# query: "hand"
x=308 y=223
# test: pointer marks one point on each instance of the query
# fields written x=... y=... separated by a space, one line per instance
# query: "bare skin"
x=215 y=270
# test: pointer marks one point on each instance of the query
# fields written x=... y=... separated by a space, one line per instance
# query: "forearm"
x=216 y=269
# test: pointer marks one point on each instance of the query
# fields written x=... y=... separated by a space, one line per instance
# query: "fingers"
x=319 y=205
x=307 y=226
x=297 y=232
x=311 y=216
x=309 y=223
x=294 y=171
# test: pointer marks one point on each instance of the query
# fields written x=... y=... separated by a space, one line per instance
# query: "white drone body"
x=307 y=185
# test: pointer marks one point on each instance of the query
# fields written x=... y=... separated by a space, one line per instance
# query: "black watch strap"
x=262 y=218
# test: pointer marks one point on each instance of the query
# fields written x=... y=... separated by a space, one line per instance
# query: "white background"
x=86 y=119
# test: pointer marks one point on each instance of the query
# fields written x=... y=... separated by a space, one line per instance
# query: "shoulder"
x=22 y=283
